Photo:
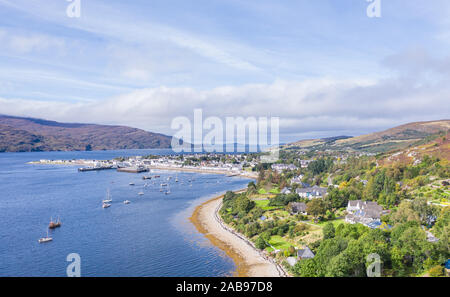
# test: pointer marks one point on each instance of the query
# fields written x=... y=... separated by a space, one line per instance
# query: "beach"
x=249 y=261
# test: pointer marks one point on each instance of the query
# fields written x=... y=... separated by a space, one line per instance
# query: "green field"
x=278 y=242
x=264 y=204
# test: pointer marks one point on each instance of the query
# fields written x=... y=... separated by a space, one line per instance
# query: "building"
x=298 y=208
x=305 y=163
x=286 y=191
x=312 y=192
x=364 y=212
x=291 y=261
x=281 y=167
x=305 y=254
x=297 y=180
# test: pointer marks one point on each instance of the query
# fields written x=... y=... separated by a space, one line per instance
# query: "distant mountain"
x=18 y=134
x=392 y=139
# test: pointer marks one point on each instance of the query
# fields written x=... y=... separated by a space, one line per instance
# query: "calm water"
x=149 y=237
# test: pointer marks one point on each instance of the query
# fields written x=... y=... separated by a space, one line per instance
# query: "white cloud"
x=26 y=43
x=322 y=107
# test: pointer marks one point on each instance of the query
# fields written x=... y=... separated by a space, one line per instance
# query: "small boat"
x=106 y=205
x=141 y=193
x=157 y=176
x=146 y=177
x=108 y=197
x=54 y=225
x=126 y=202
x=45 y=239
x=163 y=185
x=131 y=184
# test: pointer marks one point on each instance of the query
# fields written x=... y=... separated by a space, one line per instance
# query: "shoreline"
x=243 y=174
x=249 y=261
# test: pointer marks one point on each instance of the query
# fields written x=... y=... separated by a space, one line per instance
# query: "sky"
x=322 y=66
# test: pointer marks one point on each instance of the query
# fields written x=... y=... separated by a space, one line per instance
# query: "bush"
x=260 y=243
x=437 y=271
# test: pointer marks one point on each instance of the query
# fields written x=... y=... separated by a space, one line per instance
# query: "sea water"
x=151 y=236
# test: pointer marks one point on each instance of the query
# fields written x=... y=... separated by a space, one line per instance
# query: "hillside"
x=27 y=134
x=438 y=148
x=395 y=138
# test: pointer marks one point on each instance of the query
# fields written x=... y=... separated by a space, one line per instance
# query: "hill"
x=395 y=138
x=18 y=134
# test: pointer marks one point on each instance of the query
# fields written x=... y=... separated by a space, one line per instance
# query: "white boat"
x=131 y=184
x=126 y=202
x=45 y=239
x=108 y=198
x=141 y=193
x=106 y=205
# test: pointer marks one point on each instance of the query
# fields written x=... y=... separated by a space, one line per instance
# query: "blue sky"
x=322 y=66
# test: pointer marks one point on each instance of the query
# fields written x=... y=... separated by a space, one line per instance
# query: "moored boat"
x=54 y=225
x=45 y=239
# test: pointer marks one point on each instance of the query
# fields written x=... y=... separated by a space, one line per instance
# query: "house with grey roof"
x=305 y=253
x=298 y=208
x=363 y=212
x=286 y=191
x=312 y=192
x=297 y=180
x=281 y=167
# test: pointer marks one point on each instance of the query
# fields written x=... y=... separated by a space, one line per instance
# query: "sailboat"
x=168 y=191
x=45 y=239
x=106 y=205
x=54 y=225
x=176 y=179
x=126 y=202
x=108 y=197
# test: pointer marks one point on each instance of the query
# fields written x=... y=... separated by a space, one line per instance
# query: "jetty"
x=133 y=169
x=96 y=168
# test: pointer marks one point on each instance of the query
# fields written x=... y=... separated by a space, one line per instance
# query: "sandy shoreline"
x=249 y=261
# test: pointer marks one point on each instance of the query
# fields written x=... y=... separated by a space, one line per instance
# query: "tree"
x=328 y=231
x=260 y=243
x=405 y=213
x=316 y=208
x=410 y=247
x=291 y=251
x=251 y=188
x=243 y=204
x=306 y=268
x=442 y=221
